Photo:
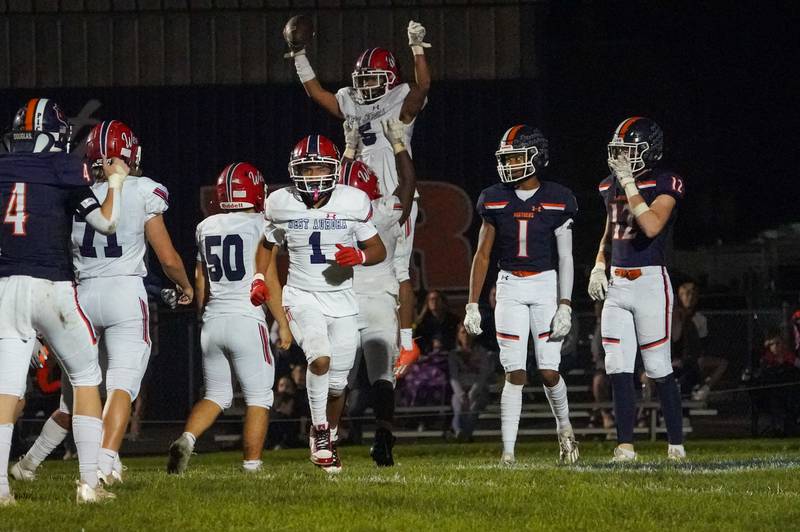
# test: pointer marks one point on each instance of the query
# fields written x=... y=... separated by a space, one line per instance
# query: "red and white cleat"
x=321 y=445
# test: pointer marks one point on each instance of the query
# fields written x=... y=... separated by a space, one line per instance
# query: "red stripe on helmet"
x=30 y=111
x=625 y=126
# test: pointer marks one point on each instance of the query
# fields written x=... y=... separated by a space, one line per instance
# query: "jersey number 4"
x=15 y=210
x=231 y=245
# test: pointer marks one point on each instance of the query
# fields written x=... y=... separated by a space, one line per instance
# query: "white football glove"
x=598 y=282
x=621 y=167
x=472 y=320
x=561 y=323
x=116 y=171
x=416 y=37
x=351 y=138
x=395 y=131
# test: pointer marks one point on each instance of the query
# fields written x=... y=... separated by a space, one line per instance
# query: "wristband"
x=399 y=147
x=349 y=153
x=417 y=50
x=258 y=277
x=640 y=209
x=303 y=67
x=631 y=189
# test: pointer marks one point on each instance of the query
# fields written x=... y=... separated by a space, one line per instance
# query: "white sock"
x=105 y=461
x=559 y=404
x=335 y=433
x=51 y=437
x=510 y=410
x=87 y=432
x=251 y=465
x=406 y=338
x=317 y=387
x=191 y=437
x=6 y=430
x=117 y=466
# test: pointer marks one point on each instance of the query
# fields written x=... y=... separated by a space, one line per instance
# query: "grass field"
x=726 y=485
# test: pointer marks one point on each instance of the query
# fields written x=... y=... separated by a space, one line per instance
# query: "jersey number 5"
x=15 y=210
x=367 y=136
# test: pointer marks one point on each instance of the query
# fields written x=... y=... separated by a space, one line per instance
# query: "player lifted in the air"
x=234 y=332
x=640 y=202
x=114 y=264
x=529 y=223
x=327 y=230
x=377 y=93
x=376 y=288
x=41 y=187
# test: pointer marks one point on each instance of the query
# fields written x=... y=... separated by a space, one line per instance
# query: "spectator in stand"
x=779 y=366
x=470 y=368
x=282 y=432
x=695 y=368
x=426 y=383
x=436 y=319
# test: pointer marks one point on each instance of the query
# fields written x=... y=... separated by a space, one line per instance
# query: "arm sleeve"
x=670 y=184
x=566 y=267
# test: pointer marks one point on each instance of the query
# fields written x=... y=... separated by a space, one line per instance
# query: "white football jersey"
x=97 y=255
x=227 y=245
x=374 y=148
x=311 y=235
x=380 y=278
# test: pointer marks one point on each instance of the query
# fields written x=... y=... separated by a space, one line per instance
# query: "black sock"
x=624 y=405
x=383 y=396
x=670 y=396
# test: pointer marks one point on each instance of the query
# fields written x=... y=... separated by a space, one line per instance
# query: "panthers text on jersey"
x=39 y=194
x=121 y=253
x=525 y=229
x=630 y=247
x=311 y=235
x=227 y=244
x=375 y=149
x=380 y=278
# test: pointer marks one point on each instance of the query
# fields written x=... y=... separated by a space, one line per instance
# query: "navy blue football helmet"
x=39 y=126
x=641 y=139
x=528 y=142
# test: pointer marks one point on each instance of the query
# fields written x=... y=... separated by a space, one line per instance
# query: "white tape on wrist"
x=417 y=50
x=258 y=276
x=349 y=153
x=399 y=147
x=303 y=67
x=631 y=189
x=640 y=209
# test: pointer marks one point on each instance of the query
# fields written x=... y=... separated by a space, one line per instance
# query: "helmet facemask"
x=371 y=85
x=634 y=151
x=310 y=181
x=507 y=170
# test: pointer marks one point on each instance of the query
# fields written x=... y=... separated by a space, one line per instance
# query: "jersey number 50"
x=216 y=265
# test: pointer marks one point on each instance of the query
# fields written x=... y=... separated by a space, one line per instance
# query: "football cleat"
x=622 y=456
x=109 y=480
x=335 y=466
x=321 y=445
x=179 y=454
x=508 y=459
x=20 y=472
x=87 y=494
x=381 y=450
x=676 y=453
x=568 y=448
x=7 y=500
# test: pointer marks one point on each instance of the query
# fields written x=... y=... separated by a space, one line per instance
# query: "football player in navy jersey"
x=41 y=187
x=529 y=222
x=640 y=203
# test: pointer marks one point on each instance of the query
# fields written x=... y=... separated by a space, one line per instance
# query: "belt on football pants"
x=523 y=273
x=631 y=275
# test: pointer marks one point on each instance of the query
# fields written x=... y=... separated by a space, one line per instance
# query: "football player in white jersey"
x=377 y=289
x=234 y=332
x=377 y=93
x=114 y=264
x=327 y=231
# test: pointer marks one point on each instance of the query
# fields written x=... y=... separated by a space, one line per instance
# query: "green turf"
x=727 y=485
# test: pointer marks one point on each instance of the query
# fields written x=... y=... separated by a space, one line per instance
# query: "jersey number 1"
x=15 y=210
x=522 y=238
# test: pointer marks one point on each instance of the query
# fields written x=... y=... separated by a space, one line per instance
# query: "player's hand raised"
x=395 y=131
x=115 y=171
x=351 y=138
x=349 y=256
x=621 y=167
x=472 y=319
x=598 y=282
x=561 y=323
x=416 y=36
x=259 y=294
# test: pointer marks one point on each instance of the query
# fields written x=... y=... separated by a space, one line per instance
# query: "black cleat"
x=381 y=450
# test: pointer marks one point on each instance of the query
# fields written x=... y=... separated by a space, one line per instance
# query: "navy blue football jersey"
x=630 y=248
x=525 y=230
x=39 y=195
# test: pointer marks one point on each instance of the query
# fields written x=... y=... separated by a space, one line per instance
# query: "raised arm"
x=395 y=131
x=652 y=218
x=415 y=100
x=105 y=219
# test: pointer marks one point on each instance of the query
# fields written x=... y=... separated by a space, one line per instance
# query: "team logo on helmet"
x=523 y=150
x=640 y=139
